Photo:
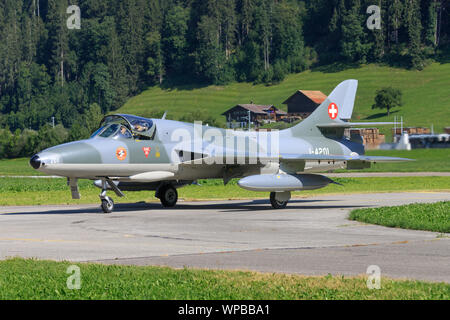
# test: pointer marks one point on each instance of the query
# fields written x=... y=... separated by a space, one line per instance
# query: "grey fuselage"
x=121 y=159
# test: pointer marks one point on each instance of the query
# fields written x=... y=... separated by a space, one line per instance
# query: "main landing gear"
x=168 y=195
x=279 y=200
x=166 y=192
x=107 y=202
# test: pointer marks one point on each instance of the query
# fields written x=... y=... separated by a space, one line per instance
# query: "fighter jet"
x=131 y=153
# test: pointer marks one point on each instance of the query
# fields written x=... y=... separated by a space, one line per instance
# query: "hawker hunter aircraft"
x=130 y=153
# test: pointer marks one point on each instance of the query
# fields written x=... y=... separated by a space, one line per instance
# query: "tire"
x=107 y=205
x=168 y=196
x=275 y=203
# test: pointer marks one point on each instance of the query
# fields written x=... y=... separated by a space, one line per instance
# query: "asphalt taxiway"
x=312 y=236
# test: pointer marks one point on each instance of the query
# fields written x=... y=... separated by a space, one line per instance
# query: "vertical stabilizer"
x=335 y=109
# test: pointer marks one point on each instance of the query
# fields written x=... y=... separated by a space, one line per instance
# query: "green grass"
x=426 y=160
x=430 y=217
x=32 y=191
x=17 y=167
x=32 y=279
x=425 y=94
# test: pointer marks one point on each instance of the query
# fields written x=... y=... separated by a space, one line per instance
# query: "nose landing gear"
x=107 y=202
x=107 y=205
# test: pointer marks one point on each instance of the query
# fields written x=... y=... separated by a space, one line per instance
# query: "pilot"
x=124 y=132
x=139 y=128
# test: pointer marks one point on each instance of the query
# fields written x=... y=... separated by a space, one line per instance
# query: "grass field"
x=32 y=279
x=17 y=167
x=430 y=217
x=426 y=160
x=431 y=160
x=425 y=94
x=32 y=191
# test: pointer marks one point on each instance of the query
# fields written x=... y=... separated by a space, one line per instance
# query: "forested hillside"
x=425 y=96
x=75 y=75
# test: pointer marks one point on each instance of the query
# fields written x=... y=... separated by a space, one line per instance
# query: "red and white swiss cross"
x=333 y=111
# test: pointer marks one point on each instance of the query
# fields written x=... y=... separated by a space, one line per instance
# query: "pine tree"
x=330 y=46
x=116 y=66
x=395 y=13
x=30 y=30
x=246 y=8
x=229 y=22
x=11 y=48
x=58 y=38
x=155 y=61
x=432 y=23
x=414 y=28
x=174 y=41
x=208 y=54
x=96 y=8
x=265 y=29
x=288 y=43
x=132 y=36
x=353 y=47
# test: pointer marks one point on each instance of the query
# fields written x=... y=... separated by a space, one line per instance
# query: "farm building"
x=302 y=103
x=237 y=117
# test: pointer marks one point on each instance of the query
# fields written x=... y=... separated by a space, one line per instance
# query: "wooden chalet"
x=237 y=117
x=302 y=103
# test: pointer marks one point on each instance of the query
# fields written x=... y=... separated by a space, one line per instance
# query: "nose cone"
x=35 y=162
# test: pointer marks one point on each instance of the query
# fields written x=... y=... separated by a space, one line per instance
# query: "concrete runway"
x=312 y=236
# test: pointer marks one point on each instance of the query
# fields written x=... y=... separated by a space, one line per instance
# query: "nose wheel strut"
x=107 y=202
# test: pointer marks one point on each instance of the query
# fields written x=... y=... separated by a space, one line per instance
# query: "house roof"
x=316 y=96
x=255 y=108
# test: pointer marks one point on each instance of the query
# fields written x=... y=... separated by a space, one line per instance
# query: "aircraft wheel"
x=107 y=205
x=275 y=203
x=168 y=196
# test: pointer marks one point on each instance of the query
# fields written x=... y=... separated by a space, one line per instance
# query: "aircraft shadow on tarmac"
x=254 y=205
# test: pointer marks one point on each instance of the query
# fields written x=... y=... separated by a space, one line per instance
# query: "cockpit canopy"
x=126 y=127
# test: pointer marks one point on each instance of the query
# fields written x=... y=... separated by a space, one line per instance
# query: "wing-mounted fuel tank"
x=284 y=182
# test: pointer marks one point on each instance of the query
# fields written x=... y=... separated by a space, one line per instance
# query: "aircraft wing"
x=292 y=158
x=336 y=158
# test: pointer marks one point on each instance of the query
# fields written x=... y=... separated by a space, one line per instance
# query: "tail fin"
x=336 y=108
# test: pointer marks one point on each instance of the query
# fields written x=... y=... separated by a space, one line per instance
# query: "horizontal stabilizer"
x=353 y=124
x=382 y=159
